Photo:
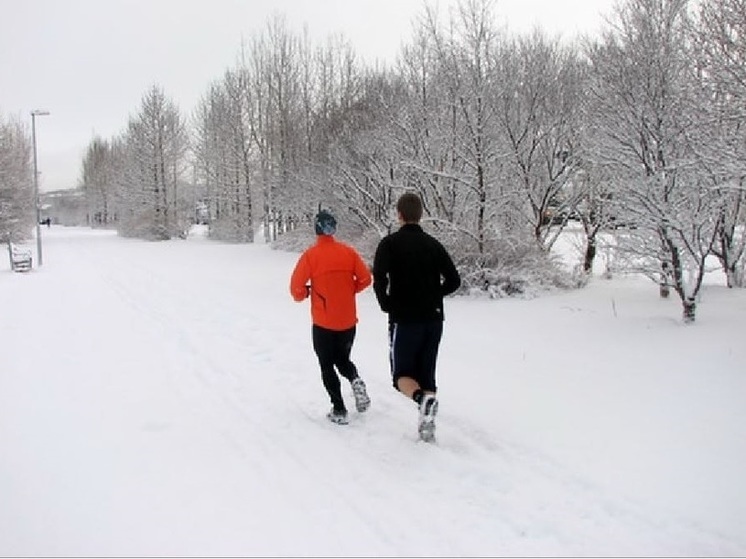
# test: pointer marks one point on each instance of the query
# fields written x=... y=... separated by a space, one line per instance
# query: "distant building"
x=64 y=207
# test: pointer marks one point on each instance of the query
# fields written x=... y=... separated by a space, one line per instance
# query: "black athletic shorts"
x=413 y=351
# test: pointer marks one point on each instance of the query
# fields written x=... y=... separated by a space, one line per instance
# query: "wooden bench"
x=20 y=258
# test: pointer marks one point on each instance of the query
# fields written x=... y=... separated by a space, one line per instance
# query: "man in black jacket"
x=412 y=272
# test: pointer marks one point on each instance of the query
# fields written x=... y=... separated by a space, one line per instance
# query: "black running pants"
x=333 y=349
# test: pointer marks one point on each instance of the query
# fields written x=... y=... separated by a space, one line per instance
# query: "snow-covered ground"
x=163 y=399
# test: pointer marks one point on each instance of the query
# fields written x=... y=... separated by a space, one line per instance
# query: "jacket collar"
x=410 y=227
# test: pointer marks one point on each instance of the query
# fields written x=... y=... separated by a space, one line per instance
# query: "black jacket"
x=412 y=272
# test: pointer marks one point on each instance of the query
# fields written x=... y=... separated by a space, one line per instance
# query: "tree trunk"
x=690 y=308
x=734 y=276
x=665 y=288
x=590 y=255
x=738 y=277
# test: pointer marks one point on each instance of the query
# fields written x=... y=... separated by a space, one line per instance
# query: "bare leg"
x=408 y=386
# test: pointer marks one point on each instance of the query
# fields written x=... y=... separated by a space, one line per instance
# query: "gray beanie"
x=325 y=223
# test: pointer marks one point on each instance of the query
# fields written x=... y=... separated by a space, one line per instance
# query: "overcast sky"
x=89 y=62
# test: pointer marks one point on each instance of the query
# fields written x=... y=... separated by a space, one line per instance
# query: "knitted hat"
x=325 y=224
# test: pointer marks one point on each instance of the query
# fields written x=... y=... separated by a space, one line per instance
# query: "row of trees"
x=136 y=180
x=505 y=137
x=667 y=87
x=16 y=181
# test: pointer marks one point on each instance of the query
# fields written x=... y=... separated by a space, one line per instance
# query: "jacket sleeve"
x=381 y=267
x=451 y=278
x=300 y=278
x=363 y=276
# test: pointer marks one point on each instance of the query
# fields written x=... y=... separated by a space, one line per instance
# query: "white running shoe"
x=362 y=400
x=338 y=417
x=428 y=411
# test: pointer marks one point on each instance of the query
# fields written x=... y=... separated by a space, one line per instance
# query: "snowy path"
x=162 y=399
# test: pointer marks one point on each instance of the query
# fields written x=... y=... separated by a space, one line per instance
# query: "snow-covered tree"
x=540 y=112
x=16 y=181
x=275 y=68
x=223 y=151
x=462 y=83
x=152 y=201
x=461 y=122
x=646 y=94
x=721 y=43
x=98 y=184
x=362 y=164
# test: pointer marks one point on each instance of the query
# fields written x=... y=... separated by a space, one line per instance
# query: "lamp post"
x=34 y=114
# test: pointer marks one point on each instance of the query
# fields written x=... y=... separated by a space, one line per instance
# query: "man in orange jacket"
x=331 y=273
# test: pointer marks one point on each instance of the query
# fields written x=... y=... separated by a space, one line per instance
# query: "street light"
x=34 y=114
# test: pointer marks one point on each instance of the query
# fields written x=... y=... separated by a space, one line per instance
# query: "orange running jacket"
x=336 y=273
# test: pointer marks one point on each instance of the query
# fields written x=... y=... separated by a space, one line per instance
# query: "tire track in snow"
x=250 y=436
x=150 y=299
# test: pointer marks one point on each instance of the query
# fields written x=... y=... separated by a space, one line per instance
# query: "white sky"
x=89 y=61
